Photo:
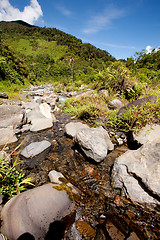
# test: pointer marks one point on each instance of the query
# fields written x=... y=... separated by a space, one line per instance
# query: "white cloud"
x=103 y=20
x=118 y=46
x=148 y=49
x=63 y=10
x=30 y=14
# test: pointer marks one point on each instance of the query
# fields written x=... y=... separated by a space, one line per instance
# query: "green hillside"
x=47 y=55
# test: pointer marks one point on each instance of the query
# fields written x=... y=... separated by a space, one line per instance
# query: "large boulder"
x=35 y=212
x=11 y=115
x=40 y=118
x=137 y=103
x=94 y=143
x=72 y=128
x=7 y=136
x=137 y=174
x=35 y=152
x=148 y=133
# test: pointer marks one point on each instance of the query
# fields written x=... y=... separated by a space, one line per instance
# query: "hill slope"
x=51 y=55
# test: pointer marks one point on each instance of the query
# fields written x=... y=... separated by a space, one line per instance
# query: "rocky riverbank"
x=98 y=189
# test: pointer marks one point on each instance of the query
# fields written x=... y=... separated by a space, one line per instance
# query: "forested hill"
x=38 y=55
x=75 y=45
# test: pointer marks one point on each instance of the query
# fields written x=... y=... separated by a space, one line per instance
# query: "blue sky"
x=121 y=27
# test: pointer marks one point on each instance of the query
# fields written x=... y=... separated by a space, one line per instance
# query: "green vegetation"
x=134 y=118
x=38 y=55
x=12 y=181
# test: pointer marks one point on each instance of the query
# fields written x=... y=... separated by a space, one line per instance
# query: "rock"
x=7 y=136
x=41 y=124
x=115 y=104
x=72 y=128
x=137 y=173
x=35 y=152
x=148 y=133
x=54 y=176
x=114 y=232
x=35 y=212
x=30 y=105
x=107 y=138
x=3 y=95
x=39 y=120
x=45 y=110
x=137 y=103
x=11 y=115
x=93 y=142
x=82 y=94
x=25 y=128
x=133 y=236
x=58 y=178
x=104 y=93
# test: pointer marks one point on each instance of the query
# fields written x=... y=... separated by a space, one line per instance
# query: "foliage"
x=146 y=67
x=88 y=108
x=52 y=55
x=12 y=181
x=134 y=118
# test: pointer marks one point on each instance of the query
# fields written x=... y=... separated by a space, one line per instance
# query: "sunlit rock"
x=73 y=127
x=38 y=120
x=137 y=173
x=45 y=110
x=35 y=152
x=115 y=104
x=148 y=133
x=7 y=136
x=93 y=143
x=35 y=212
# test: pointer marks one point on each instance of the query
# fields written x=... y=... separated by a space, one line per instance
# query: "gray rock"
x=45 y=109
x=41 y=124
x=72 y=128
x=11 y=115
x=104 y=93
x=34 y=210
x=35 y=152
x=137 y=173
x=39 y=120
x=3 y=95
x=7 y=136
x=107 y=138
x=93 y=143
x=115 y=104
x=148 y=133
x=137 y=103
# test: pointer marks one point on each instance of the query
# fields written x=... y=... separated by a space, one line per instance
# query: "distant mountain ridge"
x=54 y=34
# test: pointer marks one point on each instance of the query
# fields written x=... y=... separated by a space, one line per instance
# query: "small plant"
x=134 y=118
x=12 y=181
